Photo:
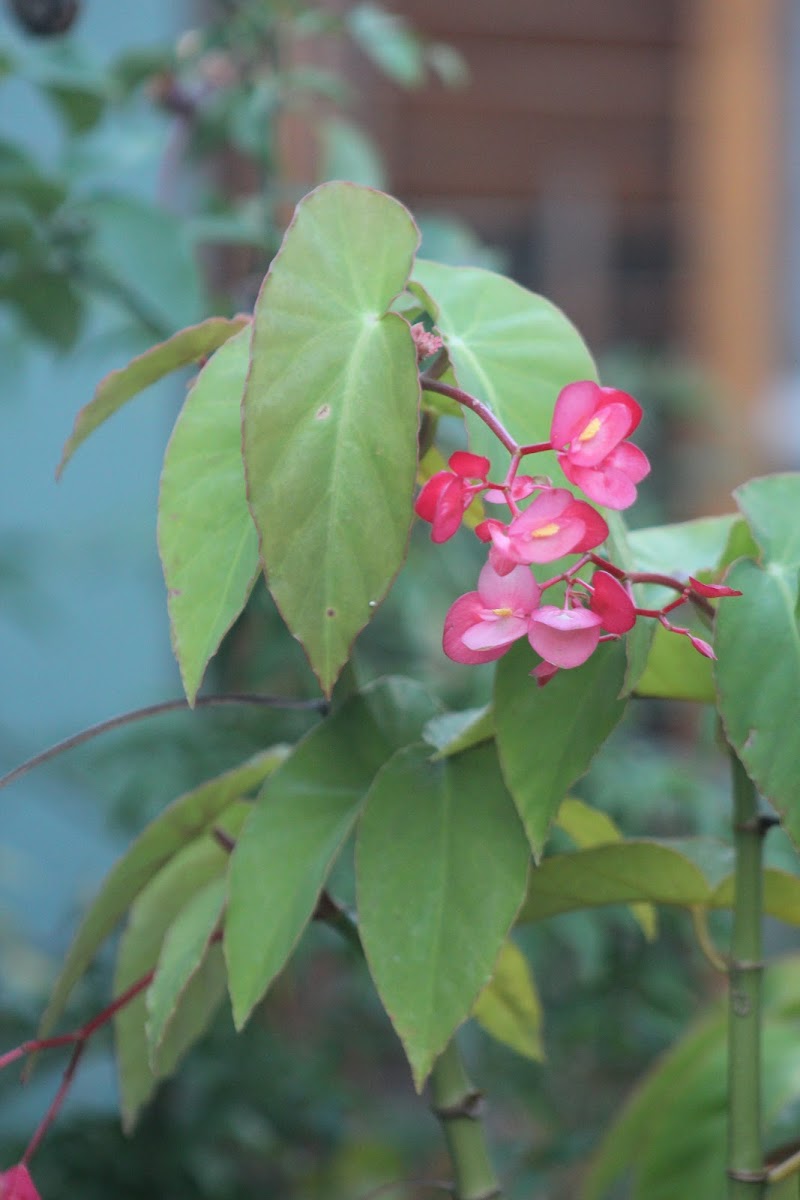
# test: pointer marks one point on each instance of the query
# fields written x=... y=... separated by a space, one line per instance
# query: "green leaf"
x=389 y=42
x=682 y=1102
x=511 y=348
x=122 y=385
x=508 y=1008
x=625 y=873
x=781 y=895
x=757 y=673
x=547 y=737
x=441 y=863
x=186 y=819
x=348 y=153
x=183 y=952
x=331 y=413
x=675 y=671
x=453 y=732
x=682 y=549
x=588 y=827
x=770 y=505
x=206 y=536
x=298 y=826
x=154 y=911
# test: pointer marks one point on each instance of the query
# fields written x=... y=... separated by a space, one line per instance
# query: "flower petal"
x=500 y=631
x=469 y=466
x=612 y=603
x=564 y=637
x=607 y=428
x=604 y=484
x=573 y=410
x=465 y=612
x=517 y=590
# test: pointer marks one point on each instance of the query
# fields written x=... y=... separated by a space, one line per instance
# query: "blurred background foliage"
x=314 y=1101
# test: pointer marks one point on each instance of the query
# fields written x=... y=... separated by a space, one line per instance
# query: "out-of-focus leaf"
x=389 y=42
x=348 y=153
x=675 y=671
x=185 y=819
x=508 y=1008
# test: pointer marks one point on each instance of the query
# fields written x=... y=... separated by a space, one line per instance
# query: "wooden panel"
x=526 y=76
x=583 y=20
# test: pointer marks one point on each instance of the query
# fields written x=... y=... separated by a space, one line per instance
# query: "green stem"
x=746 y=1172
x=457 y=1105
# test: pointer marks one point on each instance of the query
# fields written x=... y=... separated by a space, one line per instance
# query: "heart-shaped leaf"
x=330 y=417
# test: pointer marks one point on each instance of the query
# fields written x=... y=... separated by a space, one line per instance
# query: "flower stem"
x=457 y=1105
x=746 y=1173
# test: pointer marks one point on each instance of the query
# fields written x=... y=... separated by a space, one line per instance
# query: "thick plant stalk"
x=457 y=1105
x=746 y=1173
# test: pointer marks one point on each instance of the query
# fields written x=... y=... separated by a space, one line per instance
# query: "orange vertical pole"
x=730 y=124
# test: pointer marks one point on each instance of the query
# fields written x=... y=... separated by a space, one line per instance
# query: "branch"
x=153 y=710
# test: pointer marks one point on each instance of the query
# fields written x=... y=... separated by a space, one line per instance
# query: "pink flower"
x=482 y=625
x=588 y=432
x=555 y=523
x=447 y=495
x=16 y=1184
x=564 y=637
x=612 y=603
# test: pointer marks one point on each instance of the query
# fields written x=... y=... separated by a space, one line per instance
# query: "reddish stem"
x=480 y=409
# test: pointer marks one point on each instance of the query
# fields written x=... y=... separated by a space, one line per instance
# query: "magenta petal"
x=573 y=410
x=465 y=612
x=529 y=549
x=470 y=466
x=629 y=459
x=712 y=590
x=614 y=421
x=611 y=602
x=564 y=637
x=428 y=498
x=449 y=510
x=544 y=509
x=500 y=631
x=614 y=396
x=16 y=1184
x=517 y=589
x=596 y=529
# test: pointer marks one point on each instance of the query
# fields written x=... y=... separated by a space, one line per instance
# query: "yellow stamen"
x=503 y=612
x=545 y=530
x=590 y=430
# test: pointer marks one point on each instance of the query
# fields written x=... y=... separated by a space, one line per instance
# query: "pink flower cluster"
x=588 y=434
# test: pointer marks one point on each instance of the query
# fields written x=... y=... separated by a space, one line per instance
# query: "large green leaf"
x=181 y=822
x=183 y=348
x=547 y=737
x=183 y=952
x=453 y=732
x=302 y=817
x=770 y=505
x=441 y=863
x=512 y=349
x=509 y=1008
x=206 y=536
x=151 y=916
x=757 y=642
x=682 y=549
x=330 y=417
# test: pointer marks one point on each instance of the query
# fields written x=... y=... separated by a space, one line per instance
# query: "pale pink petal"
x=470 y=466
x=544 y=509
x=465 y=612
x=604 y=485
x=517 y=589
x=500 y=631
x=564 y=637
x=533 y=546
x=573 y=410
